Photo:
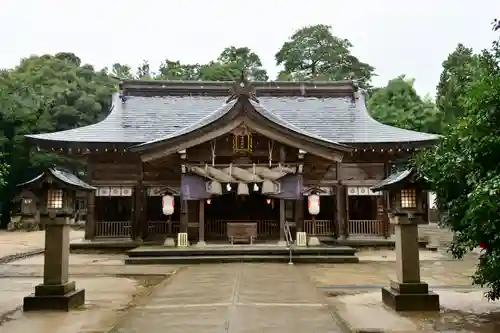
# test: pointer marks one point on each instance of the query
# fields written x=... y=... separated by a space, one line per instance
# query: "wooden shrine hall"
x=211 y=158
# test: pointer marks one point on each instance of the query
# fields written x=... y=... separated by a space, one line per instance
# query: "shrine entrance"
x=258 y=214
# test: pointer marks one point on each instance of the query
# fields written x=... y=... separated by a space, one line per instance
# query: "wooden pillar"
x=299 y=214
x=90 y=222
x=140 y=211
x=282 y=220
x=184 y=216
x=201 y=223
x=342 y=211
x=385 y=204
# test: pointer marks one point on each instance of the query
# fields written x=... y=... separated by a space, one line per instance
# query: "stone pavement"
x=17 y=242
x=234 y=298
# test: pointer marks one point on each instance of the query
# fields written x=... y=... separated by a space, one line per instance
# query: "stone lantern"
x=406 y=192
x=56 y=190
x=29 y=217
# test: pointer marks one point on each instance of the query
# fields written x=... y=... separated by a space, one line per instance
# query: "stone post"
x=56 y=292
x=408 y=293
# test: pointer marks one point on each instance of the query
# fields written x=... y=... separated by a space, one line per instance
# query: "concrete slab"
x=107 y=297
x=234 y=298
x=461 y=312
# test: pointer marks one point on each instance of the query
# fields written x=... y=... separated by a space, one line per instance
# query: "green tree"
x=457 y=75
x=243 y=59
x=314 y=53
x=398 y=104
x=175 y=70
x=44 y=94
x=464 y=171
x=144 y=71
x=122 y=71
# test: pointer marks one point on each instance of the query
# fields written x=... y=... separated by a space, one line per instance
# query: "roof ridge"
x=223 y=88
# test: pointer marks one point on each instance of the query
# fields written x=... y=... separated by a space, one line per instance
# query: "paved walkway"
x=17 y=242
x=233 y=298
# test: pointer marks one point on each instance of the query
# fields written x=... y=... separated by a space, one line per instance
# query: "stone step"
x=238 y=250
x=334 y=259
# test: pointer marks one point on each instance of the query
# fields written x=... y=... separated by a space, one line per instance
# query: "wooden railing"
x=162 y=227
x=319 y=227
x=264 y=227
x=110 y=229
x=366 y=227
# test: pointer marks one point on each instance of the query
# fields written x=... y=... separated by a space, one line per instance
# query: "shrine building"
x=203 y=158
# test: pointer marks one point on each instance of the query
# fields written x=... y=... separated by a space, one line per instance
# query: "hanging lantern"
x=313 y=204
x=209 y=201
x=255 y=187
x=168 y=204
x=268 y=201
x=243 y=189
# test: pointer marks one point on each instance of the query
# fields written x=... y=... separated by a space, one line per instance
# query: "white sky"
x=396 y=37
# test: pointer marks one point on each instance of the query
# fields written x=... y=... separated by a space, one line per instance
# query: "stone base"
x=281 y=243
x=410 y=297
x=169 y=241
x=313 y=241
x=201 y=244
x=59 y=297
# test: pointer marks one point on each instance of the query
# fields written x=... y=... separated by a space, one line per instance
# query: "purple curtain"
x=291 y=187
x=193 y=188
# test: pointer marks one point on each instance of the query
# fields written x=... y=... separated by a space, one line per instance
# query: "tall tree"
x=43 y=94
x=457 y=75
x=314 y=53
x=144 y=71
x=464 y=171
x=398 y=104
x=175 y=70
x=122 y=71
x=242 y=58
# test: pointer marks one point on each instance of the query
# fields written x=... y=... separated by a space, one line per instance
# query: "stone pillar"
x=56 y=292
x=282 y=222
x=201 y=224
x=408 y=293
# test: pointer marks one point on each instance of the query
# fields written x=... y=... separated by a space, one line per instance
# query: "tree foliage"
x=464 y=171
x=314 y=53
x=44 y=94
x=457 y=75
x=398 y=104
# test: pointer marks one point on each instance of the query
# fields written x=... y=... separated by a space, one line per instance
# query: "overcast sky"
x=394 y=36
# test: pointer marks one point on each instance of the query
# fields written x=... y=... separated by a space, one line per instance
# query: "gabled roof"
x=147 y=111
x=64 y=177
x=394 y=180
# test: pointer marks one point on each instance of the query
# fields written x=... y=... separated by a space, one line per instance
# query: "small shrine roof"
x=65 y=177
x=393 y=180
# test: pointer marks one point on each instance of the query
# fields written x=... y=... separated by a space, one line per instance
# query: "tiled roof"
x=151 y=118
x=65 y=177
x=392 y=180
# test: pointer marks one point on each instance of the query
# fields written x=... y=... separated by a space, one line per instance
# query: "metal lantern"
x=313 y=204
x=168 y=204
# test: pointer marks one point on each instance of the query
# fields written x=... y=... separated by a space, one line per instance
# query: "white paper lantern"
x=168 y=204
x=313 y=204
